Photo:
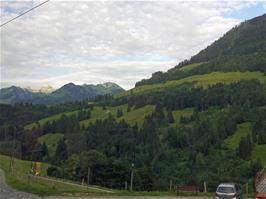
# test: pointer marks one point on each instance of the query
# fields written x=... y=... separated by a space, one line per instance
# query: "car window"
x=225 y=189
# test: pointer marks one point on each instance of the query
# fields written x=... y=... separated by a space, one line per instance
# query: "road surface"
x=127 y=197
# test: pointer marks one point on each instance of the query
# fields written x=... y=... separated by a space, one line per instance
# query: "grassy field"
x=50 y=119
x=243 y=130
x=184 y=112
x=138 y=115
x=132 y=117
x=189 y=67
x=99 y=113
x=42 y=185
x=199 y=80
x=51 y=141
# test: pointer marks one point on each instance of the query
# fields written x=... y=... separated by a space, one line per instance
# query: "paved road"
x=128 y=197
x=7 y=192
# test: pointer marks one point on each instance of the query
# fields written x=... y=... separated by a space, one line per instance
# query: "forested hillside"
x=243 y=48
x=202 y=121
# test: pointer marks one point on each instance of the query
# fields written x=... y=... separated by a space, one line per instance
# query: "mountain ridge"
x=67 y=93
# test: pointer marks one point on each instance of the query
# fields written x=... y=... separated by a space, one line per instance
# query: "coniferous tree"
x=61 y=153
x=44 y=150
x=119 y=113
x=170 y=117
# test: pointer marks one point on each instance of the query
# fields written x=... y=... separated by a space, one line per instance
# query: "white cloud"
x=94 y=42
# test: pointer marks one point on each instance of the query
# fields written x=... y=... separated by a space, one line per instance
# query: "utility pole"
x=132 y=177
x=88 y=181
x=205 y=187
x=13 y=151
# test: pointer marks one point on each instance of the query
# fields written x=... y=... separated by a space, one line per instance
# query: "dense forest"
x=220 y=140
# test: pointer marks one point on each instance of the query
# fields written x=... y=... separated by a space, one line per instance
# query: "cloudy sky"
x=122 y=41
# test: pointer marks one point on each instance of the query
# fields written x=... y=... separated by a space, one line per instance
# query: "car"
x=261 y=196
x=228 y=191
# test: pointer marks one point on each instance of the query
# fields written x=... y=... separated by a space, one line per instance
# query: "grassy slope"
x=50 y=119
x=137 y=115
x=189 y=67
x=132 y=117
x=243 y=130
x=199 y=80
x=42 y=186
x=259 y=152
x=99 y=113
x=232 y=142
x=184 y=112
x=51 y=141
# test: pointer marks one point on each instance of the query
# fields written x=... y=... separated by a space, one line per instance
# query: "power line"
x=24 y=13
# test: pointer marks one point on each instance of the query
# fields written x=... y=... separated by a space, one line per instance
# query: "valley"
x=200 y=123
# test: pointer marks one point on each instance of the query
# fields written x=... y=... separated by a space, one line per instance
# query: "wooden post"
x=205 y=187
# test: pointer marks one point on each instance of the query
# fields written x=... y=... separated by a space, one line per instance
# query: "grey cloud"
x=86 y=37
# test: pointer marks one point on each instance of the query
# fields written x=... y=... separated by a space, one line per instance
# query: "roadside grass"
x=51 y=141
x=46 y=186
x=259 y=152
x=204 y=80
x=233 y=141
x=21 y=181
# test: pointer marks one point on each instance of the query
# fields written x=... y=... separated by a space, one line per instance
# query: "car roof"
x=227 y=185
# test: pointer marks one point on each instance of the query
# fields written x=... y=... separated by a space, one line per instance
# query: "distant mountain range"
x=67 y=93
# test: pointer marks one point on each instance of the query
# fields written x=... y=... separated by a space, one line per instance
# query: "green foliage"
x=245 y=147
x=61 y=153
x=204 y=80
x=51 y=141
x=259 y=153
x=243 y=130
x=170 y=117
x=204 y=120
x=119 y=113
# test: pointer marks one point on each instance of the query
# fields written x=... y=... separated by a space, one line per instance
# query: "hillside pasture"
x=233 y=141
x=204 y=80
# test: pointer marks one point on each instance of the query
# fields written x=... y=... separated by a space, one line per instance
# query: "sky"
x=92 y=42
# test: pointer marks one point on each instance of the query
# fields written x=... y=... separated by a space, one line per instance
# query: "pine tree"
x=61 y=153
x=170 y=117
x=44 y=150
x=119 y=113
